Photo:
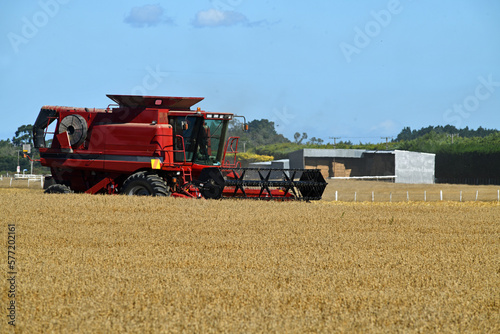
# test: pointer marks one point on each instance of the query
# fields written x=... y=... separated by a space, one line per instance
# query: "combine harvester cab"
x=159 y=146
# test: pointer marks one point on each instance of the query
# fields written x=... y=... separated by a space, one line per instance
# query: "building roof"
x=346 y=153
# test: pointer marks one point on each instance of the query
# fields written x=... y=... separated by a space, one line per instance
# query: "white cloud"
x=147 y=16
x=218 y=18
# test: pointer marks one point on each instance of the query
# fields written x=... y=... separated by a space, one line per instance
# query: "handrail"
x=166 y=153
x=233 y=150
x=179 y=151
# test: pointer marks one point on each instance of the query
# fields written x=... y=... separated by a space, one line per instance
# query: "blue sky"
x=359 y=70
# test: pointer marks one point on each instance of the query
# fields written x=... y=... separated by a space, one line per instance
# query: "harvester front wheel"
x=145 y=184
x=58 y=189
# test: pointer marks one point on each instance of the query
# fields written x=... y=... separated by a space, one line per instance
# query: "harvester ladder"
x=188 y=176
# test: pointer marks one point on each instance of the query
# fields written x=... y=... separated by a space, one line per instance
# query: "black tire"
x=145 y=184
x=58 y=189
x=48 y=181
x=210 y=183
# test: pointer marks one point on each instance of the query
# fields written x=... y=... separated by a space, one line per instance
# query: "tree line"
x=408 y=134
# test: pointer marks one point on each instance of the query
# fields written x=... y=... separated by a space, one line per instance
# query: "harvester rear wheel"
x=58 y=189
x=145 y=184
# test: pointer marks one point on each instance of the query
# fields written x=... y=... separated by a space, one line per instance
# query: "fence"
x=425 y=196
x=30 y=178
x=370 y=178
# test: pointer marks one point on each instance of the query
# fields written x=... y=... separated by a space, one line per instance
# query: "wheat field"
x=113 y=264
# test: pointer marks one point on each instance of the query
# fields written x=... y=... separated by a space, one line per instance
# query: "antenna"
x=334 y=141
x=386 y=141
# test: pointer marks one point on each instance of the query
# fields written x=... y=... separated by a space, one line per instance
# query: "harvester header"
x=157 y=145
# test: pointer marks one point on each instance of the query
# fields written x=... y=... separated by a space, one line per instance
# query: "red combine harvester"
x=159 y=146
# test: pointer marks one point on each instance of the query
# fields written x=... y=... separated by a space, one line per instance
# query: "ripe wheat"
x=92 y=263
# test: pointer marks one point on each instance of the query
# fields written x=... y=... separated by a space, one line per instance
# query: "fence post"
x=407 y=196
x=373 y=196
x=425 y=195
x=41 y=181
x=441 y=195
x=11 y=182
x=336 y=195
x=460 y=195
x=354 y=196
x=477 y=194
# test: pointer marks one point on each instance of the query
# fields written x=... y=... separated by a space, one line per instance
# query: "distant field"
x=138 y=264
x=348 y=190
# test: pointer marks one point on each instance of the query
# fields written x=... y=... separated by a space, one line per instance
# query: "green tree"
x=260 y=132
x=9 y=151
x=24 y=135
x=296 y=137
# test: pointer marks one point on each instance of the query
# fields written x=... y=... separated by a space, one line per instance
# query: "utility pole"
x=386 y=142
x=334 y=141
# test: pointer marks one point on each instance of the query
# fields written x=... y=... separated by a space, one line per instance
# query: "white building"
x=401 y=166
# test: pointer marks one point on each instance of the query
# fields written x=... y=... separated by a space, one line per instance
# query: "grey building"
x=281 y=164
x=402 y=166
x=275 y=164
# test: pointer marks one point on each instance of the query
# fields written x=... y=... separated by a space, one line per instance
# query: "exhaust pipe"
x=45 y=117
